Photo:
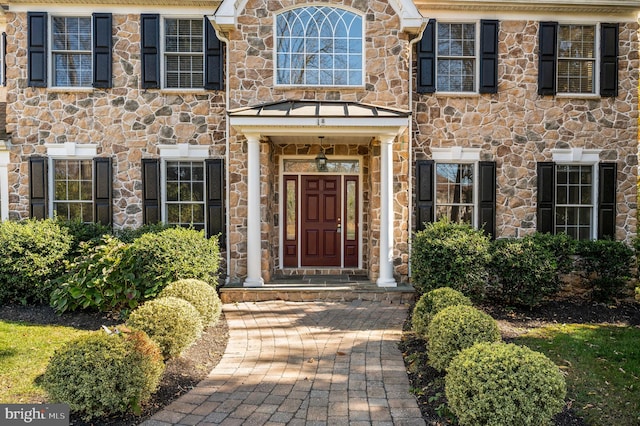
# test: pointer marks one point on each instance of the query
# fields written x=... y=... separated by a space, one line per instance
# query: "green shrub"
x=456 y=328
x=201 y=295
x=498 y=384
x=102 y=374
x=433 y=302
x=31 y=254
x=128 y=235
x=83 y=232
x=101 y=277
x=172 y=323
x=606 y=265
x=173 y=254
x=447 y=254
x=523 y=270
x=561 y=245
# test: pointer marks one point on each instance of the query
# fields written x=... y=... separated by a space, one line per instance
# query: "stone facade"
x=515 y=127
x=518 y=128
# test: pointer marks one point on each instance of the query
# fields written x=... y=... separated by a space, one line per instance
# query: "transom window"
x=183 y=53
x=71 y=51
x=576 y=58
x=185 y=192
x=73 y=189
x=456 y=57
x=574 y=201
x=319 y=46
x=454 y=192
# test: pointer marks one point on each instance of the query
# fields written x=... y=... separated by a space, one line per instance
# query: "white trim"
x=596 y=61
x=71 y=150
x=163 y=54
x=5 y=160
x=476 y=57
x=456 y=153
x=50 y=50
x=282 y=202
x=184 y=151
x=576 y=155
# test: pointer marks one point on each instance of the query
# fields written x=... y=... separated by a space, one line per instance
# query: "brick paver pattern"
x=292 y=363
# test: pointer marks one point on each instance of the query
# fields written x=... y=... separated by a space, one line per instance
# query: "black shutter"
x=102 y=198
x=609 y=60
x=424 y=193
x=215 y=199
x=38 y=187
x=487 y=197
x=547 y=58
x=150 y=191
x=488 y=56
x=102 y=47
x=546 y=196
x=607 y=200
x=37 y=49
x=3 y=46
x=426 y=60
x=214 y=62
x=150 y=50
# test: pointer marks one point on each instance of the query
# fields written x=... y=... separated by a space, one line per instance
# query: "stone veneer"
x=126 y=122
x=251 y=82
x=514 y=127
x=518 y=128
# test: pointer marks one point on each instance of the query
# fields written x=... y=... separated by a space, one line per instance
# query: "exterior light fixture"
x=321 y=159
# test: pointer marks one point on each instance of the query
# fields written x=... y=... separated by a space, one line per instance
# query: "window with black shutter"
x=424 y=193
x=426 y=60
x=150 y=191
x=150 y=50
x=81 y=50
x=488 y=56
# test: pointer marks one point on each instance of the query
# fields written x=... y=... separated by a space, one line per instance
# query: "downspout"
x=412 y=42
x=224 y=39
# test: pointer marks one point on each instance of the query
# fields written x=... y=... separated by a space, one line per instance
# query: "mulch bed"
x=512 y=323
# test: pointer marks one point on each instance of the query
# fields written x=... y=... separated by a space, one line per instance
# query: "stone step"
x=321 y=289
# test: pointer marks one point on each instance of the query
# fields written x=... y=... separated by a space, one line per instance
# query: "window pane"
x=574 y=198
x=73 y=189
x=454 y=191
x=352 y=211
x=291 y=210
x=71 y=51
x=576 y=58
x=185 y=193
x=184 y=58
x=319 y=44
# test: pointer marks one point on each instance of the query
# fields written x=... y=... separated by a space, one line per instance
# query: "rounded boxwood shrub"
x=172 y=323
x=201 y=295
x=433 y=302
x=32 y=253
x=173 y=254
x=456 y=328
x=450 y=254
x=102 y=374
x=498 y=384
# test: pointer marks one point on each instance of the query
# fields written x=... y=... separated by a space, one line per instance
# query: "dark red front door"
x=320 y=225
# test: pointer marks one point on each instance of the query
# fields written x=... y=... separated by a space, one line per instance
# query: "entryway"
x=326 y=235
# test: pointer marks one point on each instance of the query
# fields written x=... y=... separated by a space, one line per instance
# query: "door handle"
x=339 y=229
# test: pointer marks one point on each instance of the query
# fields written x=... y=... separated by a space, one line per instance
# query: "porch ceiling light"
x=321 y=159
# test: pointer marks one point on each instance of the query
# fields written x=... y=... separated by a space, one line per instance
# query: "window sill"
x=191 y=91
x=71 y=89
x=457 y=94
x=578 y=96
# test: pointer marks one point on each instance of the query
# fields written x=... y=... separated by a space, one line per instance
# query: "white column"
x=385 y=279
x=254 y=243
x=4 y=185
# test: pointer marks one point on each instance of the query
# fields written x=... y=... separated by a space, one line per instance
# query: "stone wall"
x=518 y=128
x=126 y=122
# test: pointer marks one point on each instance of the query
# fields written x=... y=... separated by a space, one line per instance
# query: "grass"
x=25 y=350
x=602 y=368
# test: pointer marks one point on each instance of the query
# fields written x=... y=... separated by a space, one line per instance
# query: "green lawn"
x=25 y=350
x=602 y=368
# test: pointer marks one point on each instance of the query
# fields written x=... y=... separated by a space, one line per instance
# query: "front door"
x=321 y=220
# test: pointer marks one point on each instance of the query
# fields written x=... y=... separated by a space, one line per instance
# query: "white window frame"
x=180 y=152
x=70 y=151
x=163 y=58
x=580 y=157
x=458 y=155
x=52 y=51
x=596 y=60
x=476 y=57
x=362 y=49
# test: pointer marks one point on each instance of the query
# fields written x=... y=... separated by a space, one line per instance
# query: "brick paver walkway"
x=290 y=363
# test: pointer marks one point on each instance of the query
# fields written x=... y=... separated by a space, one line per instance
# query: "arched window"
x=319 y=46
